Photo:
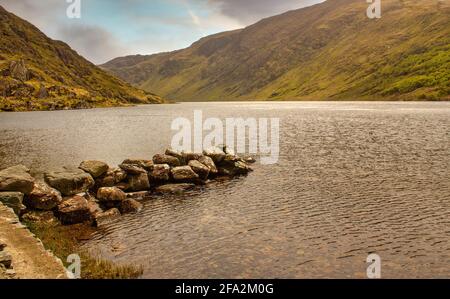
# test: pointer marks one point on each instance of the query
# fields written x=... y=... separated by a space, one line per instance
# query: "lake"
x=353 y=178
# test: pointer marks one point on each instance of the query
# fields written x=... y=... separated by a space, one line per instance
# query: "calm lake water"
x=352 y=179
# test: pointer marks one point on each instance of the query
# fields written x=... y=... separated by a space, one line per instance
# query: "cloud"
x=109 y=29
x=250 y=11
x=93 y=42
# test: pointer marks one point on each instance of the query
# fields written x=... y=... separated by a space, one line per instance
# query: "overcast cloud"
x=112 y=28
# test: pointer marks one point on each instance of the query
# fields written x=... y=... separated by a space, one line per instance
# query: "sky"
x=111 y=28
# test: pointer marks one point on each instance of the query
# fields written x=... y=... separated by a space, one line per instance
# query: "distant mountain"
x=38 y=73
x=330 y=51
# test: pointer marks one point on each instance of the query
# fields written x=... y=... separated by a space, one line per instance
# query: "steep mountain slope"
x=38 y=73
x=328 y=51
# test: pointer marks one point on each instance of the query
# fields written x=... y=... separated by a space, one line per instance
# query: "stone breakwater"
x=96 y=193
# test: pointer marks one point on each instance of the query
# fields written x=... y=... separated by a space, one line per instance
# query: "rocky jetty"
x=99 y=194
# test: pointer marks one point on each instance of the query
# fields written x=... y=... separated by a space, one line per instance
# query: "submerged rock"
x=106 y=217
x=16 y=179
x=13 y=200
x=43 y=197
x=70 y=182
x=110 y=194
x=174 y=188
x=166 y=159
x=130 y=206
x=184 y=174
x=94 y=168
x=74 y=210
x=234 y=169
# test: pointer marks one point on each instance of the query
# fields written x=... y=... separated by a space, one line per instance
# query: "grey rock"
x=16 y=179
x=200 y=169
x=74 y=210
x=43 y=197
x=70 y=182
x=184 y=174
x=94 y=168
x=132 y=169
x=145 y=164
x=138 y=182
x=166 y=159
x=110 y=194
x=208 y=162
x=191 y=156
x=215 y=153
x=19 y=71
x=40 y=217
x=160 y=173
x=113 y=177
x=13 y=200
x=177 y=155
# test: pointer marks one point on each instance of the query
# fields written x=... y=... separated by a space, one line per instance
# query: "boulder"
x=174 y=188
x=160 y=173
x=145 y=164
x=19 y=71
x=228 y=150
x=200 y=169
x=5 y=259
x=130 y=206
x=40 y=217
x=106 y=217
x=43 y=197
x=208 y=162
x=110 y=194
x=70 y=182
x=74 y=210
x=16 y=179
x=111 y=178
x=13 y=200
x=215 y=153
x=132 y=169
x=138 y=182
x=166 y=159
x=94 y=168
x=94 y=208
x=177 y=155
x=187 y=156
x=184 y=174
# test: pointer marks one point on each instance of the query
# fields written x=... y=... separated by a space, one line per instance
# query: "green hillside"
x=330 y=51
x=38 y=73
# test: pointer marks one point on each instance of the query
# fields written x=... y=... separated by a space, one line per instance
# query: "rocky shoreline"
x=98 y=194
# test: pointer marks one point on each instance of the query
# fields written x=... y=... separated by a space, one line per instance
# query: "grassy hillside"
x=38 y=73
x=327 y=51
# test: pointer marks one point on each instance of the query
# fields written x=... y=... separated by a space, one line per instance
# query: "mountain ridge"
x=328 y=51
x=39 y=73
